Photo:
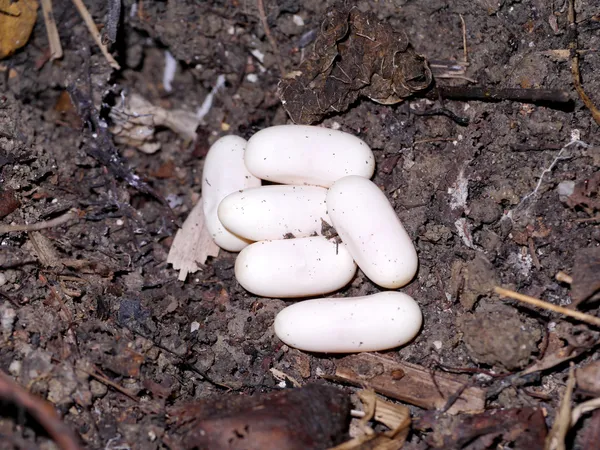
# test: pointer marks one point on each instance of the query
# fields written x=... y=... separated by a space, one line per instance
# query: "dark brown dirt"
x=468 y=196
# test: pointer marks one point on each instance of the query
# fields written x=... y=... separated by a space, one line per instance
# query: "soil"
x=97 y=294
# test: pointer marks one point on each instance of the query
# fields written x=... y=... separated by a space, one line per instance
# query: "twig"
x=89 y=21
x=587 y=318
x=427 y=141
x=583 y=408
x=41 y=410
x=575 y=64
x=58 y=298
x=71 y=215
x=56 y=50
x=464 y=36
x=490 y=94
x=263 y=18
x=556 y=438
x=588 y=219
x=110 y=383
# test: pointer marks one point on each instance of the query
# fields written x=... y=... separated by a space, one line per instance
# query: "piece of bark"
x=44 y=249
x=192 y=245
x=394 y=416
x=312 y=417
x=525 y=428
x=409 y=383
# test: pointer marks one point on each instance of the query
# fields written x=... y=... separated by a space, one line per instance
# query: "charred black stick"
x=548 y=96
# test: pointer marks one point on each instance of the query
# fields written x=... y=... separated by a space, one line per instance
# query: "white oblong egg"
x=224 y=173
x=347 y=325
x=271 y=212
x=289 y=268
x=302 y=154
x=372 y=232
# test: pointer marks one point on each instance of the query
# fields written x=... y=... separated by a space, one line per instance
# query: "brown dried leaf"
x=355 y=55
x=192 y=245
x=586 y=194
x=8 y=202
x=135 y=120
x=525 y=428
x=557 y=352
x=16 y=23
x=588 y=378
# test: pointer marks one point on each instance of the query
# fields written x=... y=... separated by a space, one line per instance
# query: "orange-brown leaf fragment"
x=17 y=19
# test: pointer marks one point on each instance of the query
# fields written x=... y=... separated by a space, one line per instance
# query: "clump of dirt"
x=497 y=335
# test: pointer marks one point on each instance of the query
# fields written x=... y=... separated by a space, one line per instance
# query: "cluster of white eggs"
x=278 y=229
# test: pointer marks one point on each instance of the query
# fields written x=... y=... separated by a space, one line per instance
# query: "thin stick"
x=73 y=214
x=491 y=94
x=110 y=383
x=583 y=408
x=56 y=50
x=464 y=36
x=587 y=318
x=263 y=18
x=89 y=21
x=575 y=64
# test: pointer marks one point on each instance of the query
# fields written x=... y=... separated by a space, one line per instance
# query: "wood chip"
x=44 y=249
x=409 y=383
x=395 y=417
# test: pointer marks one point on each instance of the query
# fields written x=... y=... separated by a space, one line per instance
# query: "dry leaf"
x=16 y=23
x=588 y=378
x=192 y=245
x=135 y=120
x=354 y=55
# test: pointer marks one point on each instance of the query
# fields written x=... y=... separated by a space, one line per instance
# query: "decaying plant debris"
x=102 y=346
x=354 y=55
